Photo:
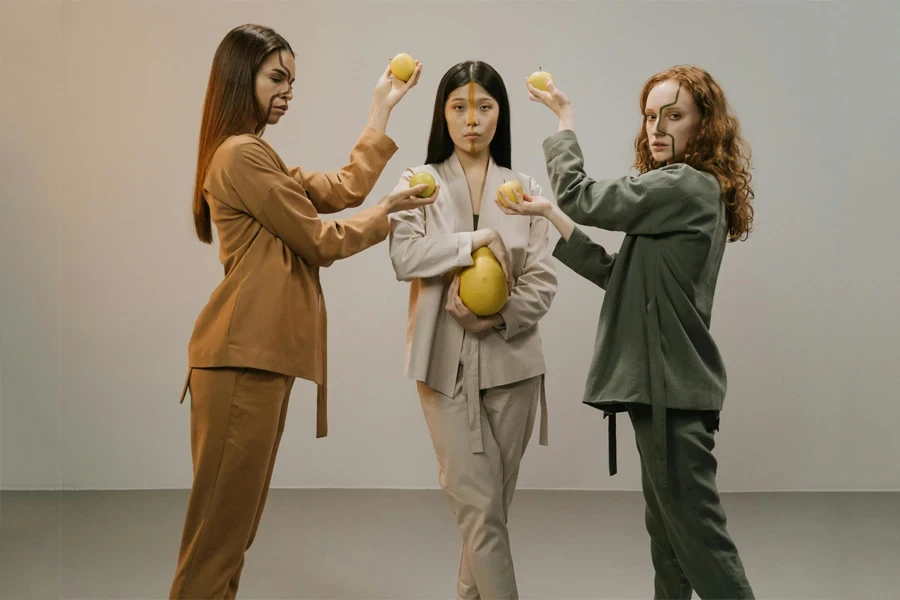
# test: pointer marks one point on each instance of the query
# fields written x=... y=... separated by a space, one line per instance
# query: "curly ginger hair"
x=718 y=147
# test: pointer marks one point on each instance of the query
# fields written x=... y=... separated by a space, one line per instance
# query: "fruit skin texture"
x=402 y=66
x=505 y=191
x=482 y=287
x=420 y=178
x=539 y=80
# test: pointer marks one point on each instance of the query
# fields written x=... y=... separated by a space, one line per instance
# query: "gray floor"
x=403 y=544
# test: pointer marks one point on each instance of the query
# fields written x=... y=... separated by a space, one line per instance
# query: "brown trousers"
x=237 y=418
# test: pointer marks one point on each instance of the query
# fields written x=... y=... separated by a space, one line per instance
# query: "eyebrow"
x=478 y=100
x=668 y=108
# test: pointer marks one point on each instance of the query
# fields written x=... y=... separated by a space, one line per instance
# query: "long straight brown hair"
x=231 y=102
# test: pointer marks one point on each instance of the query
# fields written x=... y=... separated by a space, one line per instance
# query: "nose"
x=289 y=95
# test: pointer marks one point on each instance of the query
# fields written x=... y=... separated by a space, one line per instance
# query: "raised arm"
x=348 y=187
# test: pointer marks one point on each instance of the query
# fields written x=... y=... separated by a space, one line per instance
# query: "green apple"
x=420 y=178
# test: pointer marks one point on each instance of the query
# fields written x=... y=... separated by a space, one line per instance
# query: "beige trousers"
x=480 y=484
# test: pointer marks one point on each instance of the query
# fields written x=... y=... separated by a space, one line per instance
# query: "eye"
x=675 y=116
x=275 y=79
x=651 y=117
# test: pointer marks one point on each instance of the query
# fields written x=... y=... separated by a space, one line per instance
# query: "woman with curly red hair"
x=654 y=355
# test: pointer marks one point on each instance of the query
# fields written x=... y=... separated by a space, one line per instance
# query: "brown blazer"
x=268 y=313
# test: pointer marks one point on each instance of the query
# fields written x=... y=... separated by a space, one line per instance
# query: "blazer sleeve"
x=670 y=199
x=348 y=188
x=536 y=286
x=281 y=205
x=417 y=256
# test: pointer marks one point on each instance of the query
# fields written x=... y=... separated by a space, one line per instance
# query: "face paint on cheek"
x=471 y=120
x=282 y=90
x=658 y=122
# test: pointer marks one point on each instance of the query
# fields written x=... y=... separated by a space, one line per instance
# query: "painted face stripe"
x=471 y=121
x=659 y=120
x=278 y=94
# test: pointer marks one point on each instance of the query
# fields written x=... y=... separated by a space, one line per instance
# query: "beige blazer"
x=427 y=244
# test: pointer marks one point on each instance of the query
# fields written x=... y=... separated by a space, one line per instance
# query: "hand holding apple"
x=391 y=87
x=508 y=190
x=402 y=66
x=541 y=89
x=526 y=205
x=539 y=79
x=423 y=177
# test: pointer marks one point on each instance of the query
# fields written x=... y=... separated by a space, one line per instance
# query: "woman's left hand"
x=389 y=90
x=465 y=317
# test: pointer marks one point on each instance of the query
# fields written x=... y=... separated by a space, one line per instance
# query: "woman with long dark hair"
x=480 y=378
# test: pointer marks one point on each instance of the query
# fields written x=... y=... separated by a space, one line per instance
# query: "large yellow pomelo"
x=482 y=287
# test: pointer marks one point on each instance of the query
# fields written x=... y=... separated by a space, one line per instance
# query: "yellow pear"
x=539 y=80
x=507 y=190
x=420 y=178
x=402 y=66
x=482 y=287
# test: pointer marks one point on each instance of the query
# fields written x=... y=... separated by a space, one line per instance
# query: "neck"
x=473 y=160
x=250 y=127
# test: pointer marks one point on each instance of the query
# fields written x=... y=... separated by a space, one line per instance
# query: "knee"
x=482 y=531
x=481 y=516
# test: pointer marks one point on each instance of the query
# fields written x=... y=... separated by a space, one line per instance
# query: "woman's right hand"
x=538 y=205
x=492 y=241
x=408 y=199
x=525 y=205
